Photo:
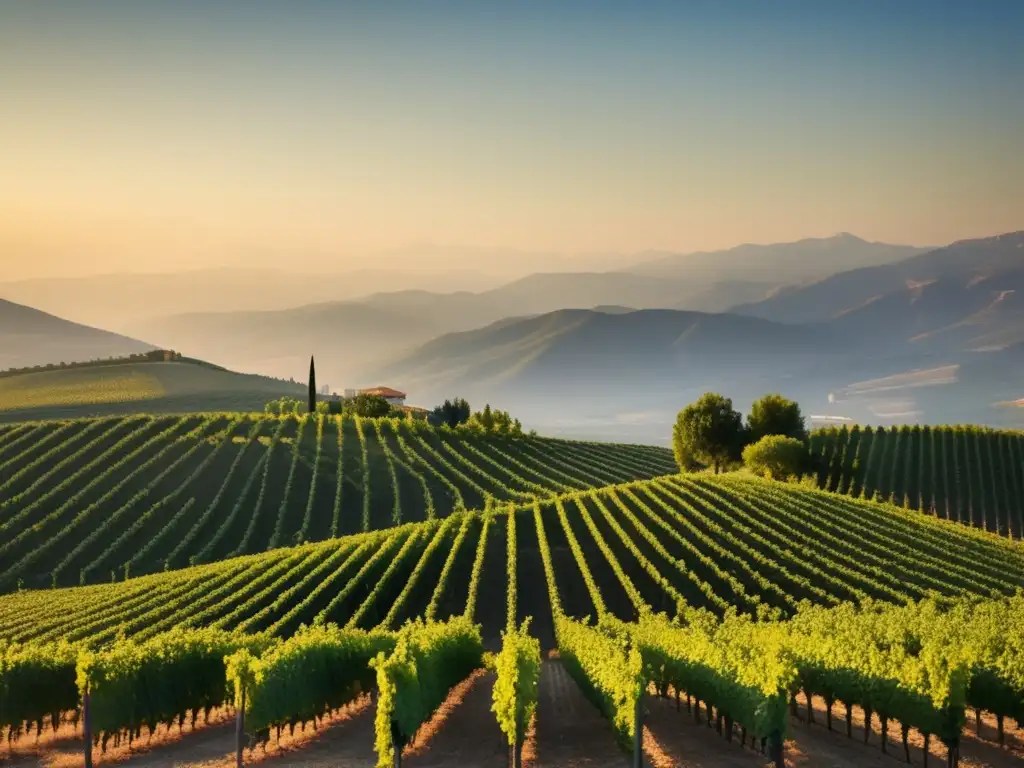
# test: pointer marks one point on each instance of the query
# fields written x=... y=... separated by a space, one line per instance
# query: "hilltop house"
x=393 y=396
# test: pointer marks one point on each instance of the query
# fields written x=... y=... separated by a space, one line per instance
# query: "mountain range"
x=808 y=259
x=357 y=336
x=943 y=330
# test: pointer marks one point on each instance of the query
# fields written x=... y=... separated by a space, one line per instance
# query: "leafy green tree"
x=368 y=406
x=495 y=421
x=775 y=415
x=776 y=456
x=451 y=413
x=312 y=385
x=708 y=432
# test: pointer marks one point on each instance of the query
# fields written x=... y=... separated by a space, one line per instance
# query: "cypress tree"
x=312 y=385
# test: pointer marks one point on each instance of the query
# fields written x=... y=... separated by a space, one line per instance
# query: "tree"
x=775 y=415
x=776 y=456
x=312 y=385
x=494 y=421
x=451 y=412
x=707 y=432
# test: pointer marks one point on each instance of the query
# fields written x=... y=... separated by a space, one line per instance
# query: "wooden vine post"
x=240 y=730
x=398 y=744
x=638 y=733
x=516 y=749
x=87 y=728
x=776 y=747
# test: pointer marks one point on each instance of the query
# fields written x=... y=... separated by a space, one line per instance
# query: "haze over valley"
x=602 y=353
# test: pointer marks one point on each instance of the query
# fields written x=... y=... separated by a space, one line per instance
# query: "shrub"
x=776 y=456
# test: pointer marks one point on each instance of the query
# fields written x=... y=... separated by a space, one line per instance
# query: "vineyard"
x=716 y=552
x=245 y=576
x=96 y=500
x=668 y=544
x=972 y=475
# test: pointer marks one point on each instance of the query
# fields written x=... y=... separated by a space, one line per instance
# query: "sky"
x=163 y=136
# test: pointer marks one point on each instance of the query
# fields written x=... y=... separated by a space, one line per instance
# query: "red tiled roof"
x=382 y=392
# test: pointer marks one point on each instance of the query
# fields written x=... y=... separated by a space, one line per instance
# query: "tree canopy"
x=775 y=415
x=450 y=413
x=494 y=420
x=708 y=432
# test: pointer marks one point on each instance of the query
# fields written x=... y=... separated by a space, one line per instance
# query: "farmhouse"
x=393 y=396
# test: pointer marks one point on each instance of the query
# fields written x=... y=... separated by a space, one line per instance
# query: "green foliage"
x=776 y=456
x=515 y=690
x=775 y=415
x=992 y=632
x=316 y=671
x=971 y=475
x=708 y=432
x=132 y=684
x=608 y=668
x=884 y=659
x=493 y=421
x=450 y=413
x=741 y=667
x=429 y=660
x=37 y=684
x=367 y=406
x=285 y=406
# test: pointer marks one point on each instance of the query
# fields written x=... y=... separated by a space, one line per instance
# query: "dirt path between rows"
x=569 y=732
x=974 y=752
x=464 y=732
x=675 y=739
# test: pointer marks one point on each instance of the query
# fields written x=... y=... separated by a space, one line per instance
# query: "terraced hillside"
x=94 y=500
x=667 y=543
x=973 y=475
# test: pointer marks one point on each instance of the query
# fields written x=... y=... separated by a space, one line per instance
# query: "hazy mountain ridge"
x=586 y=345
x=594 y=356
x=359 y=334
x=962 y=262
x=30 y=337
x=799 y=261
x=125 y=302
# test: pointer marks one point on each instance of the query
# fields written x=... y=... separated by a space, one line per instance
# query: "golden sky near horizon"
x=169 y=139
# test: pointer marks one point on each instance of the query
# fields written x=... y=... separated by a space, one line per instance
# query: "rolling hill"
x=968 y=474
x=712 y=543
x=759 y=573
x=29 y=337
x=130 y=386
x=82 y=498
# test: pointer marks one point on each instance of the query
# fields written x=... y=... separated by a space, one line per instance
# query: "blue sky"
x=198 y=131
